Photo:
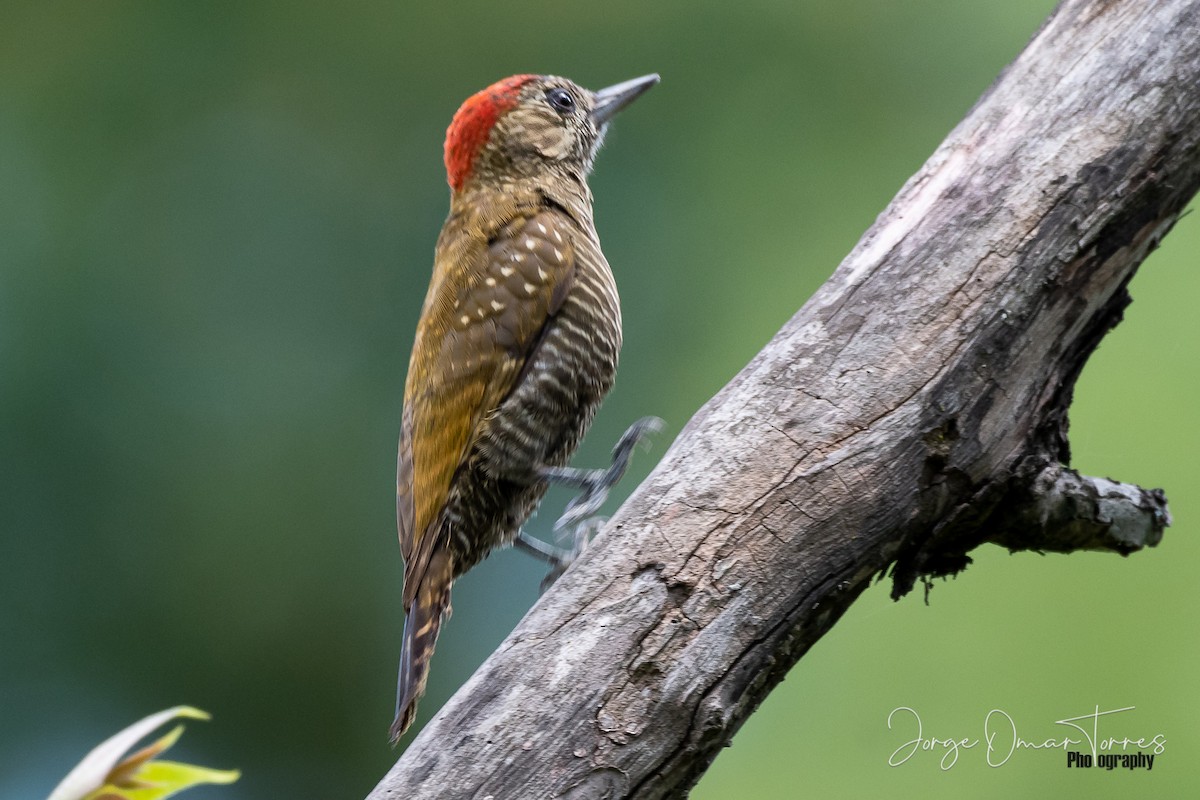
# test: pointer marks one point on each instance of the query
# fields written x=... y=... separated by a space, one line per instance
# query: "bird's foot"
x=559 y=558
x=596 y=483
x=577 y=524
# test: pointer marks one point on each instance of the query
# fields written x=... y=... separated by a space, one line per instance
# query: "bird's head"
x=527 y=126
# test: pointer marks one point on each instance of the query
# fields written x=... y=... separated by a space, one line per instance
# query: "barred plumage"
x=516 y=346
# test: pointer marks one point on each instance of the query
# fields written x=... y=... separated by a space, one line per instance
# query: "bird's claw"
x=596 y=483
x=559 y=558
x=580 y=537
x=577 y=522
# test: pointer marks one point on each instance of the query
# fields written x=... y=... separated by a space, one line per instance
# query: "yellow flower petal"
x=92 y=778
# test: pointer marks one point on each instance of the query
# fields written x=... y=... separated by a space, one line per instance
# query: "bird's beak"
x=611 y=100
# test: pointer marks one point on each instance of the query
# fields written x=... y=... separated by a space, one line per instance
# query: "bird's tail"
x=430 y=606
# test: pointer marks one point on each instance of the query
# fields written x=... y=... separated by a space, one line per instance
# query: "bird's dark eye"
x=561 y=100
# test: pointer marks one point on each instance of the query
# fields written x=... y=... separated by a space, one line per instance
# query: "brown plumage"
x=517 y=342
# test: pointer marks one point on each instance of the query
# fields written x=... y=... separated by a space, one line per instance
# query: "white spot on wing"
x=530 y=244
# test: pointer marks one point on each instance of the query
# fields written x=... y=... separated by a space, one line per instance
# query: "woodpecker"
x=516 y=346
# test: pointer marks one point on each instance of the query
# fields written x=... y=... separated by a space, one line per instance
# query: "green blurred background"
x=216 y=228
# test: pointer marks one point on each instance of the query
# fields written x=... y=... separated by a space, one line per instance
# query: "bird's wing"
x=483 y=316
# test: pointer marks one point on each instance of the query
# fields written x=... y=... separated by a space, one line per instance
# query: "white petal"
x=89 y=774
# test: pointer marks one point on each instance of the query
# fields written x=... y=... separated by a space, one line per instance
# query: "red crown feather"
x=469 y=129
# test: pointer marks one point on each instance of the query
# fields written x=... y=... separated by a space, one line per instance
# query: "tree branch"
x=915 y=408
x=1055 y=509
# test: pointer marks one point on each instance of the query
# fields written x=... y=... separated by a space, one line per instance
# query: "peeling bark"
x=915 y=408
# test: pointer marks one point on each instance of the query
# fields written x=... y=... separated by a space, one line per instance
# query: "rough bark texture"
x=913 y=409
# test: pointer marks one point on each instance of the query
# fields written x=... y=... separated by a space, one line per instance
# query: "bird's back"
x=517 y=342
x=511 y=362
